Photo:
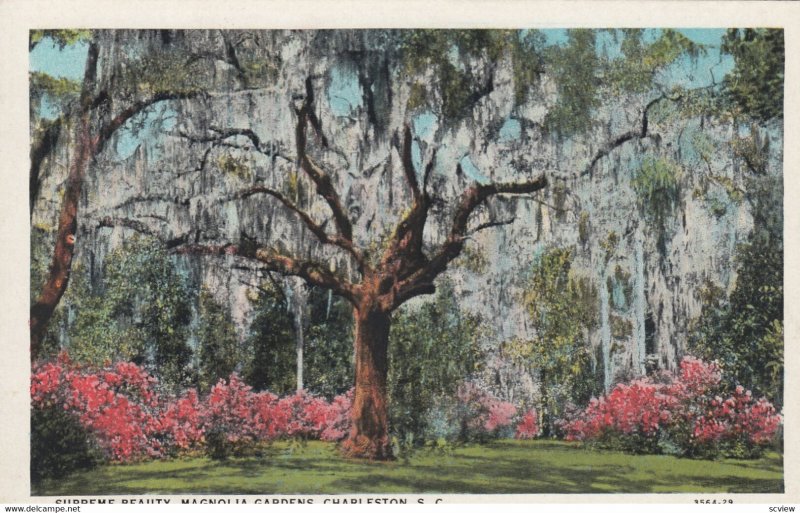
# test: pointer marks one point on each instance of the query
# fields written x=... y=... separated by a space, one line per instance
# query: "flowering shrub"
x=182 y=422
x=124 y=416
x=482 y=415
x=681 y=413
x=528 y=427
x=117 y=405
x=337 y=418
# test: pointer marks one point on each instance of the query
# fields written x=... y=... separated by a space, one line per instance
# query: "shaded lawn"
x=506 y=466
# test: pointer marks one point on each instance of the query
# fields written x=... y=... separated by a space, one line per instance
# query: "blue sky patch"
x=424 y=123
x=145 y=128
x=473 y=172
x=69 y=63
x=344 y=91
x=511 y=130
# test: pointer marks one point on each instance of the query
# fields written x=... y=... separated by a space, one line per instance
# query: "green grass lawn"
x=506 y=466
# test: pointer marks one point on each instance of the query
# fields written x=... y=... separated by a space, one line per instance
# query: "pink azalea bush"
x=116 y=405
x=528 y=427
x=683 y=413
x=125 y=417
x=482 y=415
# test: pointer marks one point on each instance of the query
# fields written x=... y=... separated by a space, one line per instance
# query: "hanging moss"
x=609 y=245
x=657 y=187
x=620 y=289
x=752 y=150
x=235 y=166
x=473 y=259
x=583 y=227
x=560 y=193
x=417 y=98
x=621 y=328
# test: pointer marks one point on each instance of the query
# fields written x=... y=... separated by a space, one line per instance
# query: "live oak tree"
x=375 y=263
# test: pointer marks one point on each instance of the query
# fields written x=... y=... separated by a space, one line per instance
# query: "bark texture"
x=369 y=435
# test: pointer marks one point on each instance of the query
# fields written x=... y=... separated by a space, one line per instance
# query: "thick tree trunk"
x=369 y=435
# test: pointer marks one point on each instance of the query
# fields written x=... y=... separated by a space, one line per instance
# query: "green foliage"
x=582 y=76
x=59 y=445
x=755 y=86
x=621 y=328
x=327 y=343
x=271 y=343
x=609 y=244
x=149 y=295
x=745 y=332
x=432 y=349
x=98 y=334
x=236 y=166
x=62 y=38
x=217 y=342
x=141 y=314
x=562 y=307
x=328 y=352
x=574 y=68
x=753 y=150
x=635 y=71
x=472 y=258
x=657 y=187
x=61 y=88
x=447 y=53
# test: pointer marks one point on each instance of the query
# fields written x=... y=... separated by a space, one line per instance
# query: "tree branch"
x=305 y=115
x=491 y=224
x=140 y=227
x=312 y=272
x=641 y=133
x=408 y=163
x=474 y=196
x=312 y=225
x=120 y=119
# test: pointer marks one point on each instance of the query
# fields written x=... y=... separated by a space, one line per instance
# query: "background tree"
x=745 y=329
x=329 y=344
x=218 y=345
x=755 y=87
x=562 y=307
x=100 y=110
x=270 y=343
x=434 y=347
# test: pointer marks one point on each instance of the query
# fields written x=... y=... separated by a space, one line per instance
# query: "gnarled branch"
x=474 y=196
x=312 y=272
x=306 y=116
x=315 y=228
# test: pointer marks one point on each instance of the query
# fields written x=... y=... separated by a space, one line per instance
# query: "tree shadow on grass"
x=497 y=469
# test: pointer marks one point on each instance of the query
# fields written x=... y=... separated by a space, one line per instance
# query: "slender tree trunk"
x=61 y=266
x=64 y=250
x=369 y=435
x=298 y=328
